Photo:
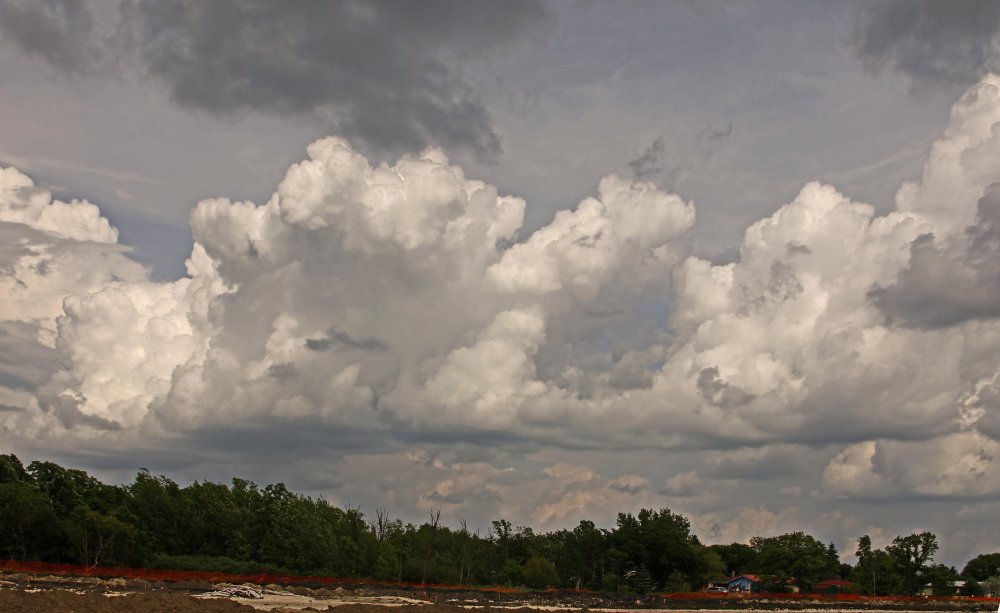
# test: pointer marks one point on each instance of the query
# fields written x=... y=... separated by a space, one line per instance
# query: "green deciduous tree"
x=12 y=471
x=737 y=558
x=662 y=541
x=67 y=488
x=26 y=519
x=793 y=557
x=912 y=554
x=98 y=537
x=972 y=588
x=900 y=569
x=982 y=567
x=941 y=579
x=992 y=586
x=711 y=567
x=876 y=571
x=57 y=514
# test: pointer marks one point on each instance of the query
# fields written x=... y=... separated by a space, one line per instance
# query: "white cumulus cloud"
x=397 y=305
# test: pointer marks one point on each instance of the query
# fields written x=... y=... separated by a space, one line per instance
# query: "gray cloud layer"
x=945 y=285
x=954 y=41
x=59 y=31
x=385 y=72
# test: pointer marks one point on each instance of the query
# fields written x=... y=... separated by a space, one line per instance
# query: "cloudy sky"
x=544 y=262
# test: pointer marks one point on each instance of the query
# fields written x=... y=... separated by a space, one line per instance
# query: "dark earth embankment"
x=28 y=593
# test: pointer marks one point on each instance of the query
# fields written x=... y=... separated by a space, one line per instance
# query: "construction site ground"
x=31 y=593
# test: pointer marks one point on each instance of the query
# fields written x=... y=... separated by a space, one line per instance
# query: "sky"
x=539 y=261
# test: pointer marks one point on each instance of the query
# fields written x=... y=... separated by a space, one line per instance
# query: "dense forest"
x=57 y=514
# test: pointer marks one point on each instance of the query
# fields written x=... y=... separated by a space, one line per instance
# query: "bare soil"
x=24 y=593
x=53 y=601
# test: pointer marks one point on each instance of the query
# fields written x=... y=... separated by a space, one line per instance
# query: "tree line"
x=55 y=514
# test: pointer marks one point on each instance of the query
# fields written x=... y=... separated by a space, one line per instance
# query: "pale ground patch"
x=271 y=602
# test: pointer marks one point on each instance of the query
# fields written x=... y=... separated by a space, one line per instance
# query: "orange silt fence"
x=154 y=574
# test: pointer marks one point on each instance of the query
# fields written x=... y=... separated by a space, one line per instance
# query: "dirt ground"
x=24 y=593
x=52 y=601
x=59 y=601
x=56 y=601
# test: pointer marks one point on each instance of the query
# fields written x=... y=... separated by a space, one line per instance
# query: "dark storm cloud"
x=948 y=284
x=271 y=439
x=381 y=71
x=386 y=72
x=59 y=31
x=943 y=41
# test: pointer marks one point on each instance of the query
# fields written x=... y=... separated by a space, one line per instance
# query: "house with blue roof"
x=743 y=583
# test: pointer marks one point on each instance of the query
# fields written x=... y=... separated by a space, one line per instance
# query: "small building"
x=743 y=583
x=954 y=585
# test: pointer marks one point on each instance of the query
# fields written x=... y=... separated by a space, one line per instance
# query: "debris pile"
x=251 y=592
